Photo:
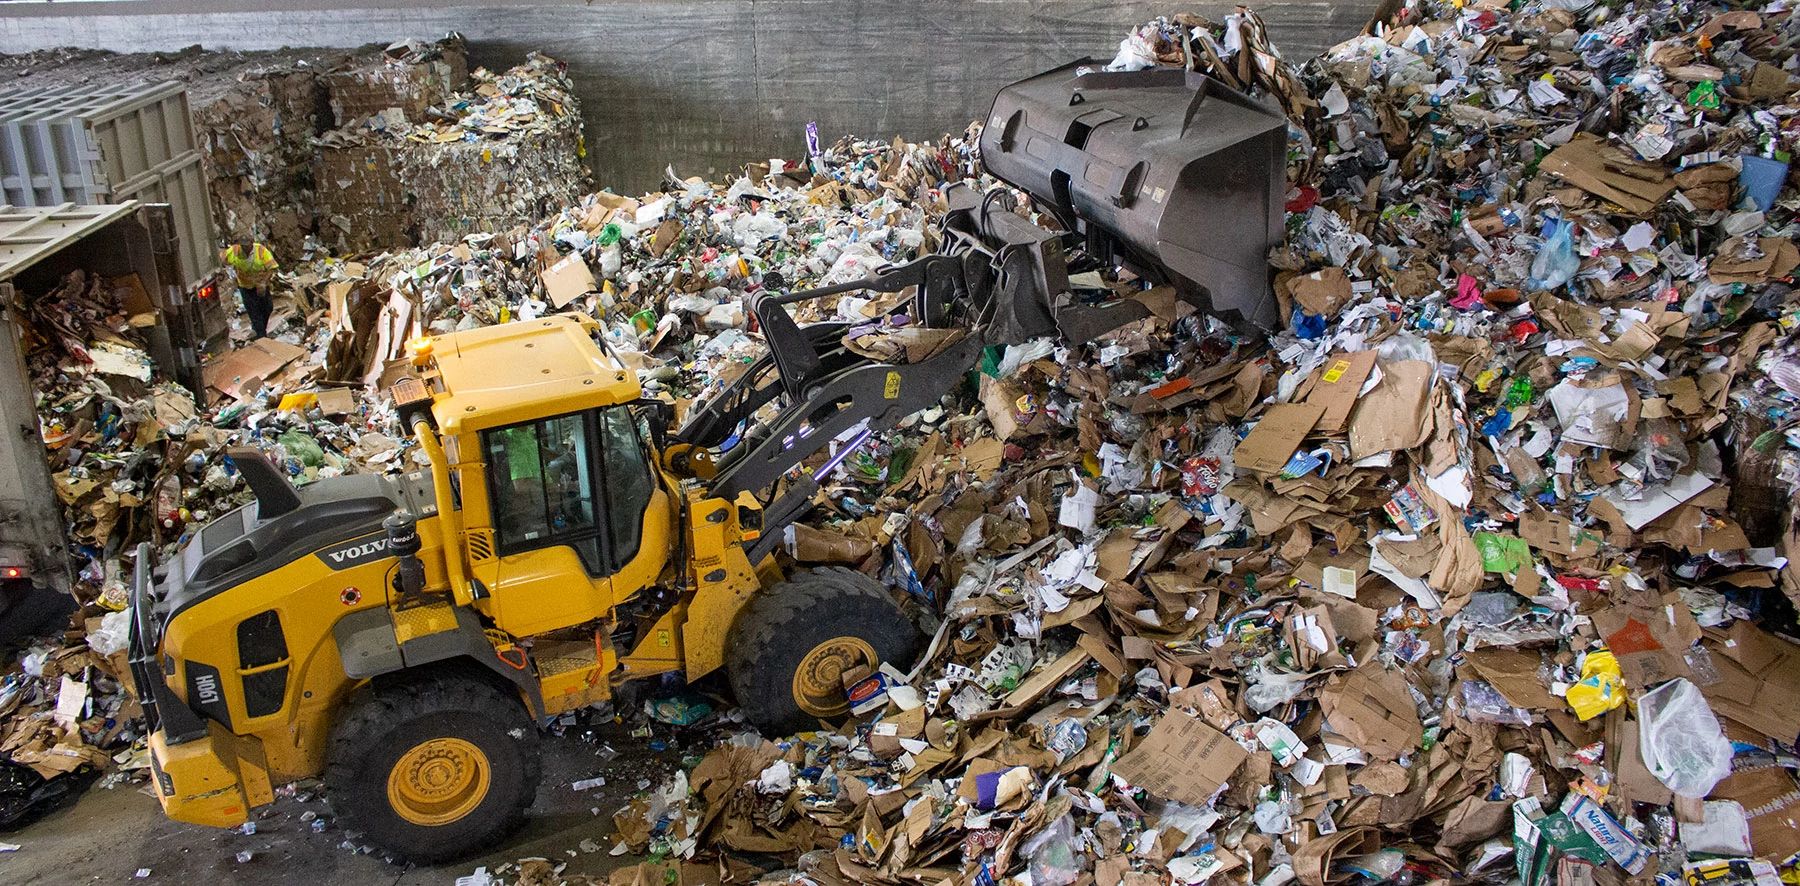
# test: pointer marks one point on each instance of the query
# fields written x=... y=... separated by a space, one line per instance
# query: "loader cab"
x=562 y=511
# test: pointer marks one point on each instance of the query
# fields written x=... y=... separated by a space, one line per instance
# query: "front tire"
x=793 y=642
x=433 y=769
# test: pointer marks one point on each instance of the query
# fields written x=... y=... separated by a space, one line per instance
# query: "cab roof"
x=514 y=372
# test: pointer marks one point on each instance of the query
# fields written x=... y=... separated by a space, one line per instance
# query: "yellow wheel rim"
x=819 y=681
x=438 y=782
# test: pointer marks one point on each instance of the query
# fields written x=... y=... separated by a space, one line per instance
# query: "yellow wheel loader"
x=404 y=636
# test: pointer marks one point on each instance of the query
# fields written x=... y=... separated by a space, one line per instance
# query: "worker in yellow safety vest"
x=254 y=266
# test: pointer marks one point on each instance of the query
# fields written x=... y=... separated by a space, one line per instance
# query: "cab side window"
x=542 y=477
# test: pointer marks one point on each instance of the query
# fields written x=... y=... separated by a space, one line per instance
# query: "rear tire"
x=433 y=769
x=791 y=643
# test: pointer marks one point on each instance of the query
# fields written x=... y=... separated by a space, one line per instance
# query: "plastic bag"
x=113 y=635
x=1134 y=54
x=1266 y=690
x=1659 y=451
x=1482 y=703
x=1601 y=687
x=1682 y=743
x=302 y=448
x=1556 y=261
x=691 y=302
x=1052 y=854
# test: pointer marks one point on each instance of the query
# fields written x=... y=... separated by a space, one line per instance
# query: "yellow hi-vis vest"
x=254 y=270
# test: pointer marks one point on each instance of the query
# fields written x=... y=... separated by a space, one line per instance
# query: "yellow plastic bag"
x=298 y=401
x=1601 y=687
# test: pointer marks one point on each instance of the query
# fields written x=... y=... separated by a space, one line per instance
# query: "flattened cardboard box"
x=1554 y=533
x=1624 y=757
x=1650 y=644
x=255 y=361
x=1313 y=861
x=1272 y=442
x=568 y=280
x=1609 y=173
x=1771 y=800
x=1182 y=759
x=1396 y=413
x=1340 y=383
x=337 y=401
x=1373 y=709
x=1322 y=292
x=1757 y=675
x=1514 y=674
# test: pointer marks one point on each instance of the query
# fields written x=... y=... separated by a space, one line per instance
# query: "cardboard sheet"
x=239 y=373
x=568 y=280
x=1758 y=672
x=1182 y=759
x=1340 y=384
x=1771 y=799
x=1372 y=707
x=1514 y=673
x=1609 y=173
x=1396 y=413
x=1656 y=502
x=1269 y=445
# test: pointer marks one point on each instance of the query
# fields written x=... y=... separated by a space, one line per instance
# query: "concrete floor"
x=108 y=835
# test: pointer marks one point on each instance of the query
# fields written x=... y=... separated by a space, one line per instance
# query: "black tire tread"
x=766 y=626
x=377 y=709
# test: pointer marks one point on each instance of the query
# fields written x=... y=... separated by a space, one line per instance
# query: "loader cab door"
x=568 y=496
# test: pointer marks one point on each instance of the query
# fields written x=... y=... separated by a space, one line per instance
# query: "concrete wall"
x=704 y=85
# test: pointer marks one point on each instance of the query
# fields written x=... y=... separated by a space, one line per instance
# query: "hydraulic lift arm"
x=1001 y=278
x=1170 y=174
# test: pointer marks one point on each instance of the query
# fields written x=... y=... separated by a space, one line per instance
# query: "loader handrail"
x=162 y=709
x=449 y=518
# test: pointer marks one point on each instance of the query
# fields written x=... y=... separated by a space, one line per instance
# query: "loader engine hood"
x=337 y=519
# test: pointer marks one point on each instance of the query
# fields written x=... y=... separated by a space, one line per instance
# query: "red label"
x=1633 y=637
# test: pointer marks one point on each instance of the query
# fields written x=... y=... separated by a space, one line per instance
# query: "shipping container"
x=38 y=247
x=88 y=145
